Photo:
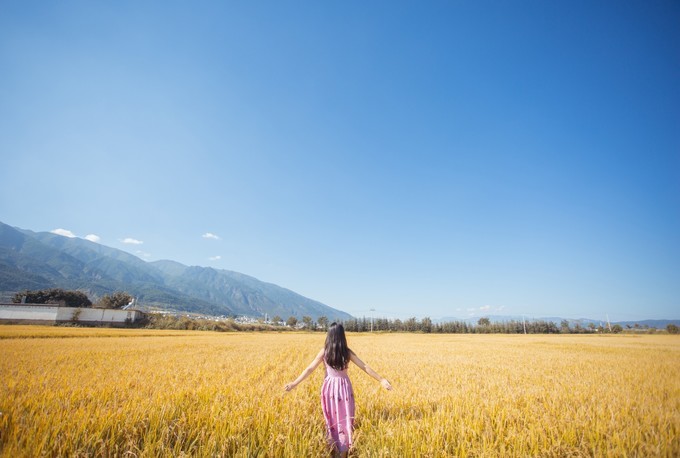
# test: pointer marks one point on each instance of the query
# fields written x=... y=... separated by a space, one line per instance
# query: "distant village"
x=238 y=319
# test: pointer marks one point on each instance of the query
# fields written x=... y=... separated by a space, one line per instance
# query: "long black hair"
x=336 y=351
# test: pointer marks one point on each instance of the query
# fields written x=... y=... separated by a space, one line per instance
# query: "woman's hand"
x=313 y=365
x=386 y=384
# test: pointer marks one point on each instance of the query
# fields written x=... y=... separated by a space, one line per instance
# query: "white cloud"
x=210 y=235
x=485 y=308
x=215 y=258
x=131 y=241
x=92 y=238
x=64 y=232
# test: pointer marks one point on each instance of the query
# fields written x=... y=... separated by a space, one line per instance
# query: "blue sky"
x=417 y=158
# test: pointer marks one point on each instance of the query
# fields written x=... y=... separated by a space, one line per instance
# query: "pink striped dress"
x=337 y=403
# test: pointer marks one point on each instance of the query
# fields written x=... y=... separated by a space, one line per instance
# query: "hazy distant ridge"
x=661 y=323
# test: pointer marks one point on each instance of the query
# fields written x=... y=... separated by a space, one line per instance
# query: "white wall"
x=60 y=314
x=24 y=312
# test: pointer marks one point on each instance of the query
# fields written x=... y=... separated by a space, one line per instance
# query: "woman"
x=337 y=396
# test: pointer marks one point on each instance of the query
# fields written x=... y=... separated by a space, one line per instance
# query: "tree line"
x=426 y=325
x=483 y=325
x=58 y=296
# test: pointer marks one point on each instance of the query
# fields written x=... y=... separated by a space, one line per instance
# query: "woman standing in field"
x=337 y=396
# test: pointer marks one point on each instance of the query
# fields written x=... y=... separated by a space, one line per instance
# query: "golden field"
x=142 y=393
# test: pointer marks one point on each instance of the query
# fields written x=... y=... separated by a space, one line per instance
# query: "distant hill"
x=30 y=260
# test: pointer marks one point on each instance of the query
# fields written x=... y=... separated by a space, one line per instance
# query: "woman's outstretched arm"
x=313 y=365
x=364 y=367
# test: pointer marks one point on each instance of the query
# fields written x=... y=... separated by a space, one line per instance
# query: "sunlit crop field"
x=92 y=392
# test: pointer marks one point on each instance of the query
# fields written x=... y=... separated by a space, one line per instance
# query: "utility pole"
x=372 y=310
x=524 y=324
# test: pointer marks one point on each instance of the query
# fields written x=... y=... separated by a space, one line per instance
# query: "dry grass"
x=159 y=393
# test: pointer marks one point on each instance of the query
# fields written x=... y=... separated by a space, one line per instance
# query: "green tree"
x=616 y=329
x=426 y=325
x=117 y=300
x=291 y=321
x=323 y=322
x=276 y=320
x=411 y=324
x=307 y=321
x=564 y=327
x=672 y=328
x=484 y=321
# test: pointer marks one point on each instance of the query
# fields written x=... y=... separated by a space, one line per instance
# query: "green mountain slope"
x=241 y=292
x=30 y=260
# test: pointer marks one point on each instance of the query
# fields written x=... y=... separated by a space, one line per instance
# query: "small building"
x=55 y=314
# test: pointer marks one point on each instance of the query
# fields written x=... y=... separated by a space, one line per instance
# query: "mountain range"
x=39 y=260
